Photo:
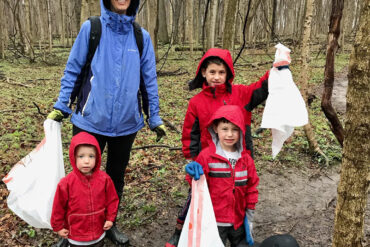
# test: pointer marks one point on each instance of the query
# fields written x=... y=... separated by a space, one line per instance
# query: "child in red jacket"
x=215 y=75
x=85 y=203
x=230 y=173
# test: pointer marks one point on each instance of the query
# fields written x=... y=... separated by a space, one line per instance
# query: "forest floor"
x=297 y=192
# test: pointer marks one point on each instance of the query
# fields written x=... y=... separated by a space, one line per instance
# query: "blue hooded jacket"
x=110 y=105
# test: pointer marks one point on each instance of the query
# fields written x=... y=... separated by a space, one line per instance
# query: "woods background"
x=27 y=25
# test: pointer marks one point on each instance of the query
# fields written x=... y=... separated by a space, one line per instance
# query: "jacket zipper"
x=88 y=97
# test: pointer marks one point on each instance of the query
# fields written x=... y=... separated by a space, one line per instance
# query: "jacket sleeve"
x=253 y=180
x=59 y=210
x=256 y=92
x=75 y=63
x=191 y=144
x=112 y=200
x=149 y=74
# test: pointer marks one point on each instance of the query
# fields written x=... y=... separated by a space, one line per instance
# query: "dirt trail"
x=302 y=204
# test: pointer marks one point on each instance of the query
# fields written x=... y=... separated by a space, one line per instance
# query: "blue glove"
x=194 y=169
x=248 y=231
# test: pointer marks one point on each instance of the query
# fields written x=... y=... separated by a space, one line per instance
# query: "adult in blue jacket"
x=110 y=108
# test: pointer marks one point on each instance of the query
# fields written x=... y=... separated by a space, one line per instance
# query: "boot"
x=61 y=243
x=174 y=240
x=117 y=237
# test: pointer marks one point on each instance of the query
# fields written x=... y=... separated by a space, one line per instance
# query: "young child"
x=215 y=75
x=85 y=203
x=230 y=173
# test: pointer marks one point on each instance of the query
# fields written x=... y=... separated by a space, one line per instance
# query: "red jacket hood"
x=84 y=138
x=223 y=54
x=233 y=113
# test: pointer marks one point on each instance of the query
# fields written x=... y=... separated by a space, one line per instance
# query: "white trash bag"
x=285 y=107
x=200 y=227
x=33 y=180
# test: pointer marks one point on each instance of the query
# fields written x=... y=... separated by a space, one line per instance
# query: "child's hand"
x=63 y=233
x=107 y=225
x=194 y=169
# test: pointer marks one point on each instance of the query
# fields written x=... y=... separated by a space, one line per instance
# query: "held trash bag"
x=33 y=180
x=200 y=227
x=285 y=107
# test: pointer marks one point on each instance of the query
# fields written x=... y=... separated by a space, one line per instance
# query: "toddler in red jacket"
x=85 y=202
x=231 y=175
x=215 y=75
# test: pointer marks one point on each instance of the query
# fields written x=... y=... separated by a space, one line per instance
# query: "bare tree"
x=211 y=24
x=355 y=171
x=314 y=146
x=189 y=23
x=162 y=28
x=2 y=30
x=229 y=25
x=49 y=25
x=89 y=8
x=334 y=31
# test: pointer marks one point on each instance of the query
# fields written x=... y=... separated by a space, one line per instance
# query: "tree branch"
x=157 y=146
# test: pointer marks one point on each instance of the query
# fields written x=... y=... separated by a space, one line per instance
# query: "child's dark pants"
x=236 y=237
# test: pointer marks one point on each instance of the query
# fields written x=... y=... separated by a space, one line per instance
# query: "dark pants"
x=98 y=244
x=184 y=211
x=236 y=237
x=117 y=157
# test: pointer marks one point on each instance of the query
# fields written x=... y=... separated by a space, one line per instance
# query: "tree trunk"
x=2 y=30
x=176 y=18
x=89 y=8
x=162 y=31
x=189 y=24
x=334 y=31
x=211 y=24
x=314 y=146
x=156 y=28
x=49 y=25
x=273 y=21
x=229 y=25
x=62 y=26
x=355 y=171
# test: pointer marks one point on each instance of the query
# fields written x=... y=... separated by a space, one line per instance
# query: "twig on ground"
x=15 y=83
x=157 y=146
x=171 y=126
x=38 y=109
x=8 y=110
x=172 y=73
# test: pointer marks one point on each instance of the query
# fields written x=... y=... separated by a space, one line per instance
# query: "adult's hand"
x=56 y=115
x=161 y=131
x=194 y=169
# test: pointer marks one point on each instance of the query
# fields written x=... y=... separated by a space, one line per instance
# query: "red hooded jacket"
x=232 y=190
x=205 y=103
x=82 y=203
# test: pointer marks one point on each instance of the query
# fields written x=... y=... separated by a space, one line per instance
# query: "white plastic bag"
x=33 y=180
x=285 y=107
x=200 y=227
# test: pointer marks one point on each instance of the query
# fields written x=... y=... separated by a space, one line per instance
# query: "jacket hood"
x=131 y=11
x=235 y=115
x=223 y=54
x=84 y=138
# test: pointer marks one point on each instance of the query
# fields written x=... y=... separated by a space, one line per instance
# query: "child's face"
x=215 y=74
x=85 y=159
x=228 y=135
